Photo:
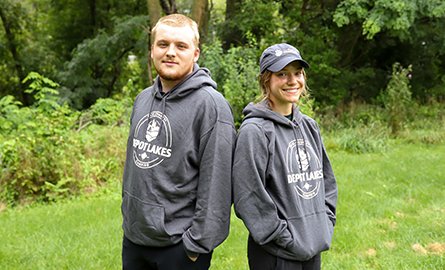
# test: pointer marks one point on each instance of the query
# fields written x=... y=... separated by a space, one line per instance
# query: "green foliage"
x=9 y=112
x=46 y=153
x=426 y=126
x=239 y=29
x=30 y=149
x=235 y=73
x=395 y=16
x=397 y=97
x=12 y=44
x=307 y=106
x=49 y=151
x=106 y=111
x=135 y=82
x=98 y=64
x=377 y=34
x=350 y=44
x=43 y=90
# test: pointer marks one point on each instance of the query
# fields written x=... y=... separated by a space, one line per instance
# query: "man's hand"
x=193 y=256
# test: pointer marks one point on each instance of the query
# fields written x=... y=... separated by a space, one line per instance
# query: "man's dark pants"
x=135 y=257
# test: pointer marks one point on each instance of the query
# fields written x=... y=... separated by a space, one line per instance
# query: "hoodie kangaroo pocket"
x=312 y=235
x=143 y=221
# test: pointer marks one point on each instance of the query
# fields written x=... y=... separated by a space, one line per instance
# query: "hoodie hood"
x=262 y=110
x=201 y=78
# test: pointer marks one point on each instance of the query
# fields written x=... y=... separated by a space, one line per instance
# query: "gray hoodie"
x=177 y=175
x=283 y=185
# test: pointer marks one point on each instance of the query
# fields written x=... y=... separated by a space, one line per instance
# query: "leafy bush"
x=235 y=72
x=45 y=152
x=31 y=148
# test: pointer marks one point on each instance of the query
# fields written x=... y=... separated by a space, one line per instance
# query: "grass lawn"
x=391 y=215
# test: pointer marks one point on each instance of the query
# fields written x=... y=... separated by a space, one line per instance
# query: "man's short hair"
x=177 y=20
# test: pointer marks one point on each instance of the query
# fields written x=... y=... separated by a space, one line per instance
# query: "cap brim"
x=280 y=64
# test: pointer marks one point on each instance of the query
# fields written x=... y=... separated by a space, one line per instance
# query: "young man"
x=177 y=178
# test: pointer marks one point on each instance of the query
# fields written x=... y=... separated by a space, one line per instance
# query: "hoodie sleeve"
x=210 y=225
x=251 y=200
x=330 y=187
x=330 y=183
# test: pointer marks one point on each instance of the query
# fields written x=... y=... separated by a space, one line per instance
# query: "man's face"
x=173 y=54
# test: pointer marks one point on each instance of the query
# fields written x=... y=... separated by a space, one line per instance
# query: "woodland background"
x=70 y=70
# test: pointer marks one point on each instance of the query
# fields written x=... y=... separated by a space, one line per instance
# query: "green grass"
x=77 y=234
x=391 y=215
x=388 y=203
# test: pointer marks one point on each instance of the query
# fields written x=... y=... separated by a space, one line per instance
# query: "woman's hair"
x=177 y=20
x=264 y=82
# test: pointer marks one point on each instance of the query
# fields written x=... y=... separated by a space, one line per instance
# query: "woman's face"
x=286 y=87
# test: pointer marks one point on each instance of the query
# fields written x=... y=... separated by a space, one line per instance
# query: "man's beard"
x=169 y=77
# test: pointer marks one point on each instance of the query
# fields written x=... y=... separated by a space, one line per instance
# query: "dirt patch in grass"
x=436 y=248
x=419 y=249
x=432 y=248
x=371 y=252
x=2 y=207
x=390 y=245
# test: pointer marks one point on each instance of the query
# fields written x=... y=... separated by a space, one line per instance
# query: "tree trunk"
x=93 y=20
x=169 y=6
x=231 y=34
x=200 y=13
x=154 y=14
x=154 y=11
x=12 y=46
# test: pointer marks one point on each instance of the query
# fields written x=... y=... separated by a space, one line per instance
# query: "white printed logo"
x=304 y=169
x=152 y=140
x=152 y=130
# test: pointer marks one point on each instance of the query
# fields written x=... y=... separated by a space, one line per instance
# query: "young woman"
x=284 y=187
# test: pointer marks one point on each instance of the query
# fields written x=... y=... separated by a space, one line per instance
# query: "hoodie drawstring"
x=294 y=127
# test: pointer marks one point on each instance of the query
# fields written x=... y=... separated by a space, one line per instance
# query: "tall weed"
x=397 y=98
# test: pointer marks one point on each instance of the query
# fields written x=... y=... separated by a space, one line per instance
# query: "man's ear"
x=197 y=53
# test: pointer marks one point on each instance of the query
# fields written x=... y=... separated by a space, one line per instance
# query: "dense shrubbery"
x=394 y=116
x=235 y=72
x=50 y=151
x=47 y=151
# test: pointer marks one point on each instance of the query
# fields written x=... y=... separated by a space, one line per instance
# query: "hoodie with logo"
x=284 y=187
x=177 y=174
